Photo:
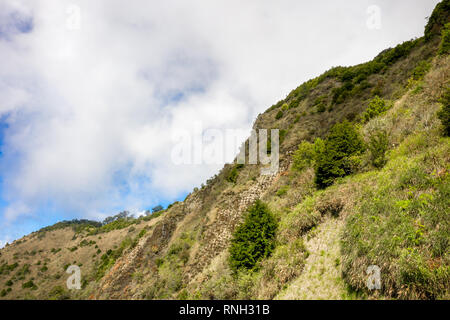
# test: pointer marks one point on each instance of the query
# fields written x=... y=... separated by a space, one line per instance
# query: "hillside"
x=363 y=180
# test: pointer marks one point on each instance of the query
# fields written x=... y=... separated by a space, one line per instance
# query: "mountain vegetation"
x=363 y=181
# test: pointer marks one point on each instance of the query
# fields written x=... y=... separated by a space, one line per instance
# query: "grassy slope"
x=184 y=252
x=409 y=243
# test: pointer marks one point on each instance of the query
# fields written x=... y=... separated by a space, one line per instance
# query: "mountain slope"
x=388 y=210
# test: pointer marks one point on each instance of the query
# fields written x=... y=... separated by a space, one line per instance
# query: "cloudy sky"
x=92 y=91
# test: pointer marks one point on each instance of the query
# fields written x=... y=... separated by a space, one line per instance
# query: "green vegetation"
x=437 y=20
x=444 y=113
x=108 y=259
x=4 y=292
x=29 y=285
x=6 y=269
x=335 y=160
x=378 y=145
x=254 y=240
x=279 y=115
x=444 y=47
x=170 y=268
x=58 y=293
x=282 y=191
x=422 y=68
x=377 y=106
x=234 y=173
x=77 y=225
x=22 y=272
x=304 y=156
x=403 y=226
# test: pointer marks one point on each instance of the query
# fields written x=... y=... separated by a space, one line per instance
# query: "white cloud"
x=90 y=111
x=3 y=242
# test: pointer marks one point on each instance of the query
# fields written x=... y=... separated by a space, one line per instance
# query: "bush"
x=29 y=284
x=234 y=173
x=303 y=156
x=334 y=161
x=254 y=240
x=279 y=115
x=444 y=113
x=378 y=145
x=376 y=107
x=157 y=208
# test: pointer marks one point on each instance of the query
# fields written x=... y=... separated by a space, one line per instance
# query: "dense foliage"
x=254 y=240
x=376 y=107
x=438 y=19
x=334 y=161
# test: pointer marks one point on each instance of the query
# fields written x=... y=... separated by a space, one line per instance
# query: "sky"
x=92 y=92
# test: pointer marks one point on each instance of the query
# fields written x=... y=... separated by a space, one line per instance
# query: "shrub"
x=444 y=113
x=378 y=145
x=29 y=285
x=303 y=156
x=376 y=107
x=293 y=104
x=342 y=143
x=279 y=115
x=233 y=174
x=254 y=240
x=321 y=107
x=157 y=208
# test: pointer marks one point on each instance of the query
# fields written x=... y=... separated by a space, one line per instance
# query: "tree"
x=157 y=208
x=334 y=160
x=254 y=240
x=279 y=115
x=303 y=156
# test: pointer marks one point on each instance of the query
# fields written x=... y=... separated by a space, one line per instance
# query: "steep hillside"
x=363 y=180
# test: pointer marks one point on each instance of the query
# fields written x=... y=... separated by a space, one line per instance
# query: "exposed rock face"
x=116 y=283
x=217 y=235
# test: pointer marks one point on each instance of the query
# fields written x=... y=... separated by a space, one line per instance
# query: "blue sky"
x=90 y=91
